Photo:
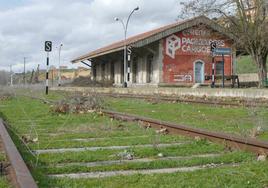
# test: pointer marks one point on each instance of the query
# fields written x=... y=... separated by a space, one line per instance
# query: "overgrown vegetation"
x=88 y=82
x=234 y=120
x=79 y=104
x=33 y=118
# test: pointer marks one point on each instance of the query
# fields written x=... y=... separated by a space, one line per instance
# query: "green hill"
x=245 y=65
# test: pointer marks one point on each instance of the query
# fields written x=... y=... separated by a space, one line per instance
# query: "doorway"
x=219 y=68
x=134 y=69
x=112 y=72
x=149 y=62
x=199 y=72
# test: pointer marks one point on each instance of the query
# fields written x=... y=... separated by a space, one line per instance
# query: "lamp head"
x=137 y=8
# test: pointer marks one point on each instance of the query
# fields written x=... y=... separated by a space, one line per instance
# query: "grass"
x=132 y=141
x=103 y=155
x=237 y=120
x=2 y=157
x=32 y=117
x=4 y=183
x=245 y=176
x=245 y=65
x=227 y=158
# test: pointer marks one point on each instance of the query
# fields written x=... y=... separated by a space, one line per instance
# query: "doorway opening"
x=199 y=72
x=149 y=62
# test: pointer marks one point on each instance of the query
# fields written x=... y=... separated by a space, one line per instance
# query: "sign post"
x=213 y=46
x=48 y=48
x=222 y=52
x=129 y=52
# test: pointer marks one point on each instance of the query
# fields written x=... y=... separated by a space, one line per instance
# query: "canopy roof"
x=151 y=36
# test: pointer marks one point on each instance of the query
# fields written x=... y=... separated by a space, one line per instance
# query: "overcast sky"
x=81 y=25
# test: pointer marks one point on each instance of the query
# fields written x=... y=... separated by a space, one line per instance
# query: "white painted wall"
x=117 y=72
x=98 y=68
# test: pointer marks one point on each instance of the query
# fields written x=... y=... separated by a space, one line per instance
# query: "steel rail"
x=20 y=174
x=230 y=141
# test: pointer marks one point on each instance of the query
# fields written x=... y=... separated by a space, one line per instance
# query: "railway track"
x=230 y=141
x=193 y=101
x=18 y=173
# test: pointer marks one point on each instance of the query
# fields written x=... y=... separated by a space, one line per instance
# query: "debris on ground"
x=126 y=155
x=162 y=131
x=27 y=139
x=211 y=165
x=256 y=131
x=79 y=105
x=148 y=126
x=88 y=82
x=262 y=158
x=160 y=155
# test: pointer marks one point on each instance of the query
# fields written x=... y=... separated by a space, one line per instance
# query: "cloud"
x=81 y=25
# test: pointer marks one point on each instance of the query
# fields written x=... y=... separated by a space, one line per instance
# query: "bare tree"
x=245 y=20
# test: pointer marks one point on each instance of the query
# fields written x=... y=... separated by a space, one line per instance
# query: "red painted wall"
x=183 y=49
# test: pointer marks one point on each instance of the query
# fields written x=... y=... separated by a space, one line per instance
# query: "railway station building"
x=176 y=54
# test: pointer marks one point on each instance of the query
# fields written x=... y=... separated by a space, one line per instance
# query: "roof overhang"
x=83 y=58
x=160 y=35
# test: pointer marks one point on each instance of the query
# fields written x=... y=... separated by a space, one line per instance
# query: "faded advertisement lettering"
x=191 y=41
x=183 y=78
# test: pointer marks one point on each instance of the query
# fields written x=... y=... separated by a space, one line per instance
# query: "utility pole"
x=59 y=73
x=52 y=76
x=24 y=70
x=11 y=76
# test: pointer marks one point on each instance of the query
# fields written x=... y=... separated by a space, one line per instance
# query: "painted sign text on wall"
x=191 y=41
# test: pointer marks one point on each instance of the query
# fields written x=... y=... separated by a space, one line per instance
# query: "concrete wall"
x=98 y=70
x=253 y=77
x=117 y=73
x=200 y=92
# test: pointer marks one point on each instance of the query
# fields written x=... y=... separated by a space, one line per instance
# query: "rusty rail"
x=231 y=141
x=20 y=174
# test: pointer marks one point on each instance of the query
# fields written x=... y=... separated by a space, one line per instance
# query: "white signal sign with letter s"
x=48 y=46
x=213 y=46
x=129 y=52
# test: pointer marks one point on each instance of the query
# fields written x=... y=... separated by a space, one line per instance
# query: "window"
x=219 y=67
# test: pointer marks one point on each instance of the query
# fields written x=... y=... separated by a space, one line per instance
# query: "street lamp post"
x=125 y=27
x=59 y=73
